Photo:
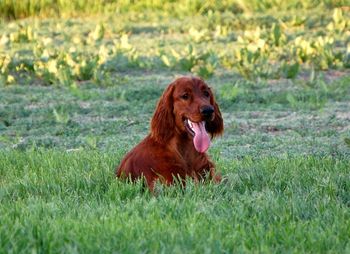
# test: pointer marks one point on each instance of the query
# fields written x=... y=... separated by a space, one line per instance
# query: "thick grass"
x=56 y=202
x=15 y=9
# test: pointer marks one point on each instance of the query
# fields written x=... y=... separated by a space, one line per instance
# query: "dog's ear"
x=163 y=121
x=216 y=126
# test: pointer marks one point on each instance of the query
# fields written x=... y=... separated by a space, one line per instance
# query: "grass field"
x=78 y=89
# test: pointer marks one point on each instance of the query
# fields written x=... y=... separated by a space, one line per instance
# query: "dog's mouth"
x=200 y=136
x=188 y=127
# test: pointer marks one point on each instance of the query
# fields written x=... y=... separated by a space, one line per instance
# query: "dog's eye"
x=206 y=93
x=185 y=96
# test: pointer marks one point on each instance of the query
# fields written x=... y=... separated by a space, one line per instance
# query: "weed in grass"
x=61 y=117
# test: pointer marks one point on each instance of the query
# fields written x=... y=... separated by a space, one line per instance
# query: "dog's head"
x=187 y=106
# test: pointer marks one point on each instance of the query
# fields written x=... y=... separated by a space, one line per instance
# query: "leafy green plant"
x=91 y=142
x=230 y=92
x=339 y=22
x=276 y=35
x=253 y=63
x=24 y=34
x=96 y=35
x=61 y=116
x=347 y=141
x=202 y=63
x=290 y=70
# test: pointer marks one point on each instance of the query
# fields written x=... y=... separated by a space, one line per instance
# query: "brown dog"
x=185 y=120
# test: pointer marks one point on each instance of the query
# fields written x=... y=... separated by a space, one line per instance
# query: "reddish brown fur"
x=168 y=151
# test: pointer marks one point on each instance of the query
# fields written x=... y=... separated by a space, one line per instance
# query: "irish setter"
x=185 y=120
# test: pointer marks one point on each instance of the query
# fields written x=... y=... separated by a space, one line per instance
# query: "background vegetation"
x=14 y=9
x=79 y=81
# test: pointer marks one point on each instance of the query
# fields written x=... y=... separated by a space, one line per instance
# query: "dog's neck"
x=180 y=143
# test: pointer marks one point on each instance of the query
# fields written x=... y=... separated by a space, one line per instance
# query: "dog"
x=186 y=118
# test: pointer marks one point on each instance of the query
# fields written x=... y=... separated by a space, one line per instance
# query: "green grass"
x=57 y=202
x=14 y=9
x=78 y=89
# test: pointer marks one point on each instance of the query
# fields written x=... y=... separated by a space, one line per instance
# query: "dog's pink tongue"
x=201 y=138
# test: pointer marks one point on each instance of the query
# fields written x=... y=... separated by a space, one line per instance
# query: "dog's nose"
x=207 y=111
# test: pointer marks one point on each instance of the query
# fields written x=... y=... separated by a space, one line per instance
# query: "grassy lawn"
x=77 y=91
x=54 y=201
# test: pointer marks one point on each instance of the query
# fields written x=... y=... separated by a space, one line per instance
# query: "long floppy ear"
x=215 y=127
x=163 y=122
